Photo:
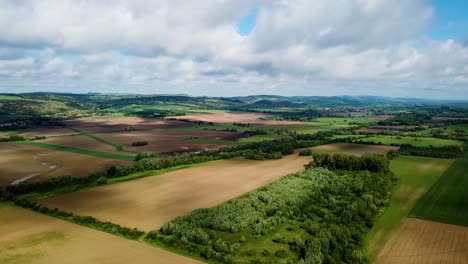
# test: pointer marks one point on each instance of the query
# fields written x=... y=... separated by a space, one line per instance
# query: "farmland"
x=29 y=237
x=149 y=202
x=353 y=149
x=113 y=124
x=170 y=141
x=252 y=179
x=23 y=161
x=446 y=200
x=401 y=140
x=422 y=242
x=416 y=174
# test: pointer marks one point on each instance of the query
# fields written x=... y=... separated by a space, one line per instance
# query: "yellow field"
x=149 y=202
x=425 y=242
x=27 y=237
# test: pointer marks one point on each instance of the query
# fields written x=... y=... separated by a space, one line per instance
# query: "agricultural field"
x=353 y=149
x=113 y=124
x=23 y=162
x=446 y=200
x=172 y=140
x=416 y=175
x=149 y=202
x=400 y=140
x=80 y=141
x=421 y=242
x=27 y=237
x=241 y=117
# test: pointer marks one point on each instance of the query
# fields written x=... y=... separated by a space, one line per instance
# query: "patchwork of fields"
x=29 y=237
x=416 y=175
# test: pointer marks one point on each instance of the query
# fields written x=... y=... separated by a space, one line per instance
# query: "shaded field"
x=425 y=242
x=93 y=124
x=29 y=237
x=251 y=118
x=21 y=161
x=446 y=200
x=149 y=202
x=353 y=149
x=416 y=175
x=173 y=140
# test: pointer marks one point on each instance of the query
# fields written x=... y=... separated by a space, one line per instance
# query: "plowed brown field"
x=425 y=242
x=93 y=124
x=21 y=161
x=149 y=202
x=169 y=141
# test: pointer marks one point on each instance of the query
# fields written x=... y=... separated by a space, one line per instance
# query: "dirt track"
x=425 y=242
x=149 y=202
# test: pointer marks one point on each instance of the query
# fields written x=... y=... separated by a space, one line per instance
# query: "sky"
x=404 y=48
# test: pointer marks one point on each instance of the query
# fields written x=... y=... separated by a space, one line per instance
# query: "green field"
x=416 y=175
x=446 y=200
x=400 y=140
x=344 y=120
x=463 y=127
x=79 y=151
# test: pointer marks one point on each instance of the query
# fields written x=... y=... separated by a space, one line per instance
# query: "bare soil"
x=171 y=141
x=149 y=202
x=420 y=241
x=354 y=149
x=27 y=237
x=19 y=161
x=93 y=124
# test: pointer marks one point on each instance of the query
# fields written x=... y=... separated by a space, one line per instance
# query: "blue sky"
x=451 y=20
x=246 y=23
x=399 y=48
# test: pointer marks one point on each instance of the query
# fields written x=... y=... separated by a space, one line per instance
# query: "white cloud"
x=297 y=47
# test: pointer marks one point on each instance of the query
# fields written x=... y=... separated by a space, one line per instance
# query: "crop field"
x=463 y=127
x=112 y=124
x=400 y=140
x=45 y=131
x=27 y=237
x=423 y=242
x=446 y=200
x=353 y=149
x=251 y=118
x=344 y=120
x=28 y=162
x=149 y=202
x=172 y=140
x=416 y=175
x=81 y=141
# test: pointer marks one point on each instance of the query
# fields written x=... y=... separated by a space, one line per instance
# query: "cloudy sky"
x=416 y=48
